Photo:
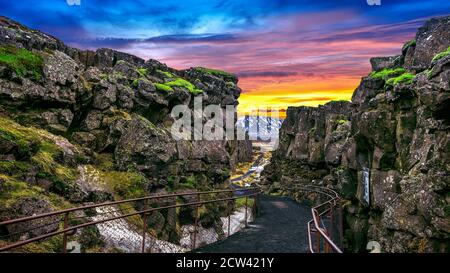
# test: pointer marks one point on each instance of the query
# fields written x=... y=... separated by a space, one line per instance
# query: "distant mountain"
x=260 y=127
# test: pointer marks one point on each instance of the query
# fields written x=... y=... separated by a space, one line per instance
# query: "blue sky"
x=284 y=51
x=146 y=19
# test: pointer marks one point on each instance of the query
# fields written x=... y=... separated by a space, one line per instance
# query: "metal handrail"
x=314 y=226
x=111 y=203
x=251 y=192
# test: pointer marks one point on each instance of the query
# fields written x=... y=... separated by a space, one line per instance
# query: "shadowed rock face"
x=111 y=105
x=397 y=130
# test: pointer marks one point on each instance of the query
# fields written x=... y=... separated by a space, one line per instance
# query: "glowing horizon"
x=286 y=53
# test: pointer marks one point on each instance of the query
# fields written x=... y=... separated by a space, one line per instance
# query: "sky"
x=286 y=52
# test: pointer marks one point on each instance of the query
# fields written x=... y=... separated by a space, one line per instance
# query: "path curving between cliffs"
x=279 y=227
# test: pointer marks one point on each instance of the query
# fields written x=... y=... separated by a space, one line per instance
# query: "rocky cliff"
x=81 y=126
x=387 y=151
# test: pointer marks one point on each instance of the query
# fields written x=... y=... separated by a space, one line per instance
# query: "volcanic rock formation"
x=392 y=139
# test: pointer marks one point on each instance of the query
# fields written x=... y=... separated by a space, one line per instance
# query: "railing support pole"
x=66 y=225
x=332 y=222
x=326 y=245
x=144 y=227
x=197 y=207
x=317 y=241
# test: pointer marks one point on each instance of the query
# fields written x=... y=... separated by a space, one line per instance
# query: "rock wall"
x=90 y=126
x=387 y=151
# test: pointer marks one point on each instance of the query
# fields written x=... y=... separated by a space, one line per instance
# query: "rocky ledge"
x=80 y=126
x=392 y=139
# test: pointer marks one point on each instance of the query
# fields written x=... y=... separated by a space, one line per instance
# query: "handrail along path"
x=67 y=230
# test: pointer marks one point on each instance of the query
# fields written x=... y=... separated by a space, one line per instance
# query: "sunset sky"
x=290 y=52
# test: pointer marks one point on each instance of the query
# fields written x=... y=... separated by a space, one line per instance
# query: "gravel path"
x=280 y=227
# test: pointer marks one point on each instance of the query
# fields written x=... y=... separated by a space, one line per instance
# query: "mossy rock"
x=163 y=87
x=215 y=72
x=142 y=72
x=405 y=78
x=441 y=55
x=387 y=73
x=408 y=45
x=179 y=82
x=165 y=73
x=90 y=239
x=22 y=61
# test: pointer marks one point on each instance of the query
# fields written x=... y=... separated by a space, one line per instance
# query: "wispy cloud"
x=290 y=52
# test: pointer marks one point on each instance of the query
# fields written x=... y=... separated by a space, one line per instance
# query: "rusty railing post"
x=66 y=225
x=326 y=245
x=197 y=207
x=144 y=226
x=317 y=241
x=331 y=223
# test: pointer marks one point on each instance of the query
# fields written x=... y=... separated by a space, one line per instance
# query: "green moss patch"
x=25 y=139
x=188 y=183
x=142 y=72
x=405 y=78
x=409 y=44
x=179 y=82
x=163 y=87
x=14 y=190
x=22 y=61
x=165 y=73
x=240 y=202
x=341 y=121
x=126 y=185
x=35 y=147
x=387 y=73
x=441 y=55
